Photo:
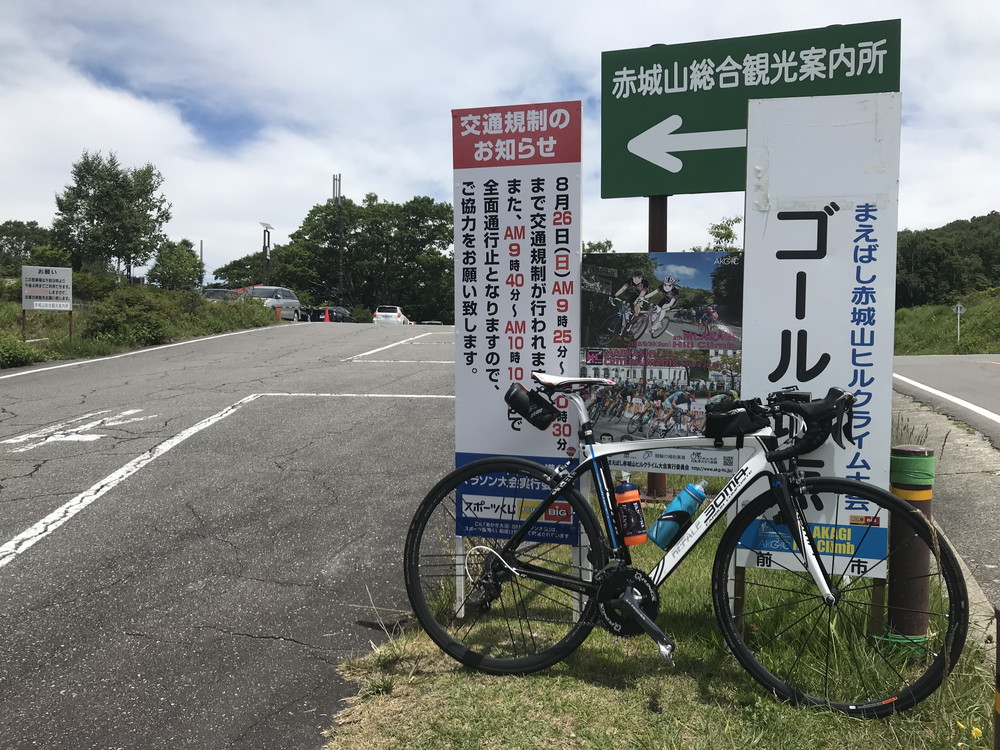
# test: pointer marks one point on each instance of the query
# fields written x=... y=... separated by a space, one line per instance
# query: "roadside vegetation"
x=129 y=317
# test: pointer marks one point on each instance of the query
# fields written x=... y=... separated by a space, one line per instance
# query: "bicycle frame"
x=595 y=462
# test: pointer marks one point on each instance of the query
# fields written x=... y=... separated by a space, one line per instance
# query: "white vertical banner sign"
x=821 y=215
x=517 y=267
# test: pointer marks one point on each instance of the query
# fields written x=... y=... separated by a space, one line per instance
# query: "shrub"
x=131 y=315
x=91 y=287
x=16 y=353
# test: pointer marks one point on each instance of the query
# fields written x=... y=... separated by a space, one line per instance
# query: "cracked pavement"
x=206 y=600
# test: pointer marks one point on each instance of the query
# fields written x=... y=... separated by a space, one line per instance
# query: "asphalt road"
x=194 y=537
x=961 y=386
x=962 y=410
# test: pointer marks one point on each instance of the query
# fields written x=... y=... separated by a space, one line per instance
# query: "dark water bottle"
x=630 y=513
x=676 y=515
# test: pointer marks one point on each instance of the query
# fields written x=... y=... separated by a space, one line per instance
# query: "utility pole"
x=338 y=202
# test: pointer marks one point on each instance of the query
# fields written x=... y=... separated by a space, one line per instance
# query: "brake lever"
x=843 y=429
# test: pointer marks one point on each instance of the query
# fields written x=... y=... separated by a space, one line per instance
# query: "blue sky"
x=248 y=107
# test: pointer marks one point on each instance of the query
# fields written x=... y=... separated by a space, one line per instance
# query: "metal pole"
x=338 y=201
x=657 y=244
x=266 y=251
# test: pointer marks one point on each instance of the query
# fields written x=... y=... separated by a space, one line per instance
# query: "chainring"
x=612 y=584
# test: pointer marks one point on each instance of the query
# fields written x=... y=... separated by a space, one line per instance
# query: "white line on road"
x=405 y=361
x=948 y=397
x=29 y=537
x=383 y=348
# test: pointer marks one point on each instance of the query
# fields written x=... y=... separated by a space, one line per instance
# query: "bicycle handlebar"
x=820 y=418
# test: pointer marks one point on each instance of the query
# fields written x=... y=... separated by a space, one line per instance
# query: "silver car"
x=279 y=297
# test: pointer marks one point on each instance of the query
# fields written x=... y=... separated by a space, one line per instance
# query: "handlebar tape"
x=820 y=417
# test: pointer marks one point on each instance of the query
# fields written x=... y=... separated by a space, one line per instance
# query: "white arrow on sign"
x=657 y=144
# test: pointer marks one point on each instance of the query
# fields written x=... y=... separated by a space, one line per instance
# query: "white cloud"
x=366 y=89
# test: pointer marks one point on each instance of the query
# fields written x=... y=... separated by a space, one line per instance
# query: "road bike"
x=654 y=317
x=679 y=424
x=508 y=565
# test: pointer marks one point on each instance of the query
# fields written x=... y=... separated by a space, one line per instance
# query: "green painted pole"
x=911 y=478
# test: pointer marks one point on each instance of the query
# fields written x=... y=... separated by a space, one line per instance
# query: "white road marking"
x=31 y=536
x=71 y=431
x=406 y=361
x=948 y=397
x=383 y=348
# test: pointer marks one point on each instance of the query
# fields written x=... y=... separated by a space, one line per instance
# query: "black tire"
x=610 y=328
x=634 y=330
x=504 y=624
x=634 y=423
x=853 y=656
x=656 y=329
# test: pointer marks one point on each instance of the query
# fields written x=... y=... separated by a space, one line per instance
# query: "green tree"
x=111 y=216
x=723 y=236
x=245 y=271
x=602 y=247
x=393 y=254
x=17 y=240
x=47 y=255
x=177 y=267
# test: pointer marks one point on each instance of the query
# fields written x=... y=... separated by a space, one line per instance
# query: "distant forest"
x=936 y=266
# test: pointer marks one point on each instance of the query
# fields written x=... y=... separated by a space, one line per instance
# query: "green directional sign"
x=674 y=117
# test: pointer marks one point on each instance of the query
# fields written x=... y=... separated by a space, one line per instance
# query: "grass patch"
x=619 y=693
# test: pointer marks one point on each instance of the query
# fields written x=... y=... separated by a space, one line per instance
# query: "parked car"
x=337 y=314
x=390 y=314
x=276 y=296
x=219 y=295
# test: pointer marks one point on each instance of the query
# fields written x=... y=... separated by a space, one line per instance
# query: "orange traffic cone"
x=326 y=314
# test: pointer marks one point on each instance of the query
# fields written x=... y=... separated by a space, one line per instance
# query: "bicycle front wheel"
x=460 y=579
x=634 y=330
x=900 y=615
x=610 y=328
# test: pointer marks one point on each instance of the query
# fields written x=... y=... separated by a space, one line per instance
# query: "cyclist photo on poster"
x=659 y=324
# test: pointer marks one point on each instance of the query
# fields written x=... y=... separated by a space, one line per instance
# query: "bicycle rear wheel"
x=897 y=626
x=459 y=580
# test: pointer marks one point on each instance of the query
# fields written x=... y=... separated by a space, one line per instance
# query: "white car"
x=390 y=314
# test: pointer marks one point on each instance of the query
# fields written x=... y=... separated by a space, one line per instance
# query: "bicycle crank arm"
x=629 y=602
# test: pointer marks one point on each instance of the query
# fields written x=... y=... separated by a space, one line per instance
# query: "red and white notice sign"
x=517 y=268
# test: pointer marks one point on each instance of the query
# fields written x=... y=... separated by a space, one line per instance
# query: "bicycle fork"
x=791 y=509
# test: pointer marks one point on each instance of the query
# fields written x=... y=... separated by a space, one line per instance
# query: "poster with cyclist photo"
x=666 y=327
